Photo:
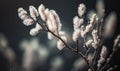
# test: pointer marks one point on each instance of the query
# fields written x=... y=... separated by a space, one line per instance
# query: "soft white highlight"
x=22 y=14
x=76 y=34
x=77 y=22
x=89 y=42
x=103 y=56
x=28 y=22
x=33 y=12
x=81 y=9
x=60 y=44
x=41 y=10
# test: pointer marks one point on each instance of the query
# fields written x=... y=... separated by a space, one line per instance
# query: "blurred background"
x=15 y=34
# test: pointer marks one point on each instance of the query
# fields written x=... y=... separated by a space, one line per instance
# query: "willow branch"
x=74 y=50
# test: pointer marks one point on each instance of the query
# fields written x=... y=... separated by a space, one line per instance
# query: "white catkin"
x=88 y=27
x=101 y=61
x=103 y=56
x=33 y=12
x=47 y=12
x=94 y=45
x=77 y=22
x=81 y=22
x=95 y=36
x=52 y=19
x=104 y=52
x=60 y=44
x=50 y=36
x=89 y=42
x=38 y=27
x=42 y=11
x=93 y=19
x=23 y=17
x=76 y=34
x=28 y=22
x=34 y=31
x=61 y=33
x=22 y=13
x=55 y=20
x=50 y=25
x=20 y=9
x=81 y=9
x=83 y=32
x=95 y=39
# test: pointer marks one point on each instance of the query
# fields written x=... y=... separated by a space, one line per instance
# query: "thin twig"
x=87 y=52
x=95 y=57
x=77 y=45
x=84 y=39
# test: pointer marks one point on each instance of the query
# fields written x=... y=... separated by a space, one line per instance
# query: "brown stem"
x=87 y=52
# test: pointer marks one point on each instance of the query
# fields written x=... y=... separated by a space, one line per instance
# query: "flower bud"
x=95 y=45
x=50 y=36
x=28 y=22
x=61 y=33
x=89 y=42
x=88 y=28
x=103 y=52
x=22 y=14
x=76 y=34
x=50 y=25
x=41 y=10
x=33 y=12
x=77 y=22
x=38 y=26
x=81 y=9
x=93 y=19
x=60 y=44
x=55 y=20
x=34 y=32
